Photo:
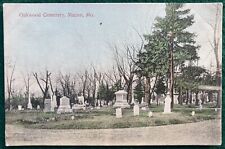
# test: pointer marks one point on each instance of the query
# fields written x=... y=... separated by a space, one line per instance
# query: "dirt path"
x=201 y=133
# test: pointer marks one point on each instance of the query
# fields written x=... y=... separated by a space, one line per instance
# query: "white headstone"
x=29 y=105
x=175 y=99
x=144 y=104
x=132 y=100
x=167 y=106
x=98 y=107
x=78 y=107
x=110 y=103
x=215 y=109
x=136 y=110
x=150 y=114
x=192 y=113
x=64 y=105
x=19 y=107
x=144 y=108
x=142 y=100
x=118 y=112
x=53 y=103
x=121 y=99
x=47 y=106
x=200 y=104
x=72 y=117
x=81 y=99
x=38 y=107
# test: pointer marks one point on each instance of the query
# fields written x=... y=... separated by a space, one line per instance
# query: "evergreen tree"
x=170 y=39
x=139 y=90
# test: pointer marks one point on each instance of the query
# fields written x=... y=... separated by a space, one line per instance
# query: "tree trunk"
x=157 y=99
x=129 y=92
x=147 y=90
x=196 y=98
x=180 y=100
x=190 y=97
x=218 y=74
x=187 y=96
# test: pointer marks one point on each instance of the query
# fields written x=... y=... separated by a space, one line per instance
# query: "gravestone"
x=144 y=108
x=38 y=107
x=81 y=100
x=47 y=105
x=72 y=117
x=29 y=105
x=53 y=103
x=64 y=105
x=175 y=97
x=19 y=107
x=118 y=112
x=200 y=104
x=167 y=106
x=78 y=107
x=136 y=109
x=132 y=100
x=121 y=99
x=193 y=113
x=110 y=103
x=144 y=105
x=150 y=114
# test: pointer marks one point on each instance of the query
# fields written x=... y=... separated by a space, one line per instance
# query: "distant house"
x=208 y=87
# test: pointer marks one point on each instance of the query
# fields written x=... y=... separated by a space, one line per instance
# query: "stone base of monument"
x=19 y=107
x=29 y=106
x=144 y=106
x=47 y=106
x=167 y=106
x=121 y=104
x=64 y=109
x=78 y=107
x=166 y=112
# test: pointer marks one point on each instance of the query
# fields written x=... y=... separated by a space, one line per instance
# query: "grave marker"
x=118 y=113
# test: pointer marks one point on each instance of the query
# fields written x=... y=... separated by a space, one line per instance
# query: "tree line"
x=166 y=61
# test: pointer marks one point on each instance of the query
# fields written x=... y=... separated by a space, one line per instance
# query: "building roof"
x=121 y=92
x=209 y=87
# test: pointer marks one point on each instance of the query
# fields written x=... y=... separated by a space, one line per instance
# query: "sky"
x=71 y=44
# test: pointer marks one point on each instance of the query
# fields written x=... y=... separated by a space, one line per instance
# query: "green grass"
x=106 y=118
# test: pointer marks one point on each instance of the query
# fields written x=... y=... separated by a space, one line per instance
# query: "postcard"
x=112 y=74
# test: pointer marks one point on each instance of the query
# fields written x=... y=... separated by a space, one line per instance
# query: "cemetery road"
x=195 y=133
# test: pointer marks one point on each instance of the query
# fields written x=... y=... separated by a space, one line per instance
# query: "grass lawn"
x=105 y=118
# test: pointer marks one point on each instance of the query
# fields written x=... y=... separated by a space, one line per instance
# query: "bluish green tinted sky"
x=72 y=44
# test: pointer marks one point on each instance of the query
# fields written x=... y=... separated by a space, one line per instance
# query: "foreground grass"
x=105 y=118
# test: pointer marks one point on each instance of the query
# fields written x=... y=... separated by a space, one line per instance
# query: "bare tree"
x=26 y=80
x=126 y=67
x=215 y=44
x=9 y=82
x=114 y=77
x=45 y=85
x=83 y=82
